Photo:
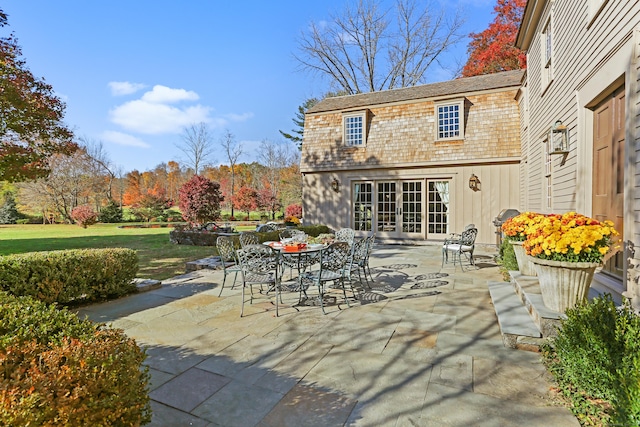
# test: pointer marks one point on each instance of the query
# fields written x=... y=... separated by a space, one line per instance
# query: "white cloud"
x=154 y=118
x=238 y=117
x=123 y=139
x=166 y=95
x=124 y=88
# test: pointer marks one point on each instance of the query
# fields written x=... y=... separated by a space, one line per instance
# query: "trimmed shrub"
x=70 y=275
x=60 y=370
x=597 y=356
x=84 y=216
x=507 y=259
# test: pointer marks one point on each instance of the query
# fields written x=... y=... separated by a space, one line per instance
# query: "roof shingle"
x=451 y=87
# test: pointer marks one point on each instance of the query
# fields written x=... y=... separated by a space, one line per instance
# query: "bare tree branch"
x=360 y=51
x=233 y=151
x=197 y=146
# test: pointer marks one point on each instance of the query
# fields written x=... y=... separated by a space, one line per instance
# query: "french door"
x=402 y=208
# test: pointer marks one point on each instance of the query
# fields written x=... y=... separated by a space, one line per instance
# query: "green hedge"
x=70 y=275
x=596 y=358
x=207 y=238
x=60 y=370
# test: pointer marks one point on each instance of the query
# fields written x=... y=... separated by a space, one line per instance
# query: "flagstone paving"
x=421 y=347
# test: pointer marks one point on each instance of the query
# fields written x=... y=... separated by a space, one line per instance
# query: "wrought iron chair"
x=346 y=235
x=249 y=238
x=333 y=263
x=260 y=266
x=356 y=260
x=228 y=259
x=370 y=241
x=465 y=244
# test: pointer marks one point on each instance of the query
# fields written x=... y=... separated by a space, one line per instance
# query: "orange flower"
x=570 y=237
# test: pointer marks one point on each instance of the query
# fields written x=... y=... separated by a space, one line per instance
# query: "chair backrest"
x=346 y=235
x=359 y=250
x=226 y=250
x=335 y=256
x=468 y=237
x=248 y=238
x=259 y=258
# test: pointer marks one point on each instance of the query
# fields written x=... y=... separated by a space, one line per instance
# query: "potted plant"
x=566 y=249
x=291 y=221
x=515 y=229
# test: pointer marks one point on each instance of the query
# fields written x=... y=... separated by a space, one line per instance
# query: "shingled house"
x=415 y=163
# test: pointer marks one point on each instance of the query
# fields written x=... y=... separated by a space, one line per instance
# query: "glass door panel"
x=362 y=206
x=412 y=207
x=438 y=208
x=386 y=207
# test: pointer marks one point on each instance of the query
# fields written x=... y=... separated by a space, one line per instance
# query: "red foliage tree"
x=31 y=117
x=268 y=201
x=200 y=200
x=245 y=199
x=84 y=215
x=293 y=210
x=493 y=50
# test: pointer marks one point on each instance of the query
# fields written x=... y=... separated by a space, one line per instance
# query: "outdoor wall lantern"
x=335 y=185
x=474 y=183
x=558 y=139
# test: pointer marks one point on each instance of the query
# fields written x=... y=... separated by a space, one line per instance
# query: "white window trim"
x=547 y=75
x=460 y=103
x=345 y=116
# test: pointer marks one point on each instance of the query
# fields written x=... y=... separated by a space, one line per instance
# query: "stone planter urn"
x=563 y=284
x=524 y=265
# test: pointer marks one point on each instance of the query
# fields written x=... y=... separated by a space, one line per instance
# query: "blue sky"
x=134 y=73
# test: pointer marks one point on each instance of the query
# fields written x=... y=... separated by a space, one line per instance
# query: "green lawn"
x=159 y=259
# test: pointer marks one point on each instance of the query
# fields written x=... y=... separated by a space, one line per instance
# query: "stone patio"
x=421 y=347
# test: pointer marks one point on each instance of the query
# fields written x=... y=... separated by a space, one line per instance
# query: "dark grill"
x=504 y=215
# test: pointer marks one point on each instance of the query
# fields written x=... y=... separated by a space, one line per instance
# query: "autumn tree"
x=197 y=146
x=200 y=200
x=150 y=206
x=493 y=50
x=246 y=200
x=31 y=117
x=70 y=183
x=361 y=51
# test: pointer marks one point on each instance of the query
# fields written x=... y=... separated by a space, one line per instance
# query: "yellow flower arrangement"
x=569 y=237
x=292 y=220
x=515 y=228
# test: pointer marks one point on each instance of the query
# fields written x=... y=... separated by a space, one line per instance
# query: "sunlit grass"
x=159 y=259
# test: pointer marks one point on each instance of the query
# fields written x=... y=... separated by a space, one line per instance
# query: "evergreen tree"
x=112 y=213
x=8 y=211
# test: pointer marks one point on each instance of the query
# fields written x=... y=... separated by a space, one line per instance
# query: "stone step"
x=528 y=290
x=143 y=285
x=513 y=318
x=211 y=263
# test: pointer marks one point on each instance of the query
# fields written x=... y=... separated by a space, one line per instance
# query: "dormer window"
x=354 y=129
x=450 y=119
